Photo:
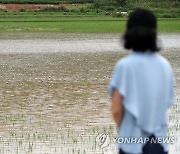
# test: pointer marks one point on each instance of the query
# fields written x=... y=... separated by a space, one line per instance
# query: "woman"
x=141 y=88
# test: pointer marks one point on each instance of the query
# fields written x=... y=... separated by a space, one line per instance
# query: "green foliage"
x=55 y=9
x=44 y=1
x=104 y=6
x=164 y=13
x=122 y=2
x=22 y=10
x=161 y=8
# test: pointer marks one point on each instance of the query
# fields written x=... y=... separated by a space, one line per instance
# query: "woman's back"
x=146 y=82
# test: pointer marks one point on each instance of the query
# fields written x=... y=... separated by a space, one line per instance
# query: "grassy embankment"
x=96 y=17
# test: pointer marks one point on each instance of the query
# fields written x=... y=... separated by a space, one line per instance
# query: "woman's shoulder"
x=164 y=61
x=123 y=62
x=126 y=60
x=135 y=60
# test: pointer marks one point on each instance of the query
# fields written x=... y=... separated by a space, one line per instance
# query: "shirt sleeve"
x=118 y=80
x=171 y=90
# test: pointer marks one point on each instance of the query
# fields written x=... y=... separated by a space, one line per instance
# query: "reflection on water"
x=63 y=42
x=57 y=102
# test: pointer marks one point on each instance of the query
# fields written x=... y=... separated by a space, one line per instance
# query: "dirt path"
x=17 y=7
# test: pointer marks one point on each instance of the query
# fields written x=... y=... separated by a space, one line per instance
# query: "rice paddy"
x=53 y=100
x=57 y=22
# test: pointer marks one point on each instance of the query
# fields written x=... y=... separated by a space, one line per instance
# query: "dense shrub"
x=55 y=9
x=161 y=8
x=44 y=1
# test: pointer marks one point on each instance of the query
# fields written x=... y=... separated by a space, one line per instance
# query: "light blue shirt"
x=146 y=82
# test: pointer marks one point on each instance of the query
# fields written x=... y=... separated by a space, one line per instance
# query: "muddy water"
x=63 y=42
x=53 y=91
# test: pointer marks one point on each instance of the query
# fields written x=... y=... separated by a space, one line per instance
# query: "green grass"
x=169 y=25
x=60 y=23
x=71 y=24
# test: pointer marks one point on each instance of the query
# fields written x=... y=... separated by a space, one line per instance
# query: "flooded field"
x=53 y=91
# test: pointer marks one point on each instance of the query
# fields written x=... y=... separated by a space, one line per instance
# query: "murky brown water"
x=54 y=100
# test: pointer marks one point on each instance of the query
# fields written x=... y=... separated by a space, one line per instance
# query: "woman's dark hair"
x=141 y=34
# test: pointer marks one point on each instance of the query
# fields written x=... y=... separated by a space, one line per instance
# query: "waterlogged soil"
x=53 y=92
